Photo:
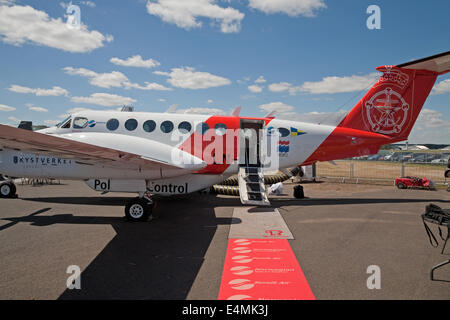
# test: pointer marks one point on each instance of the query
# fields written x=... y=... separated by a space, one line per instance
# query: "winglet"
x=172 y=108
x=236 y=112
x=271 y=114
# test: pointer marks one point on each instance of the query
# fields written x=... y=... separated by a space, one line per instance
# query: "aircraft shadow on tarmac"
x=160 y=259
x=232 y=201
x=155 y=260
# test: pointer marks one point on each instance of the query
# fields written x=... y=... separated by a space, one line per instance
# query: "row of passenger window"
x=166 y=126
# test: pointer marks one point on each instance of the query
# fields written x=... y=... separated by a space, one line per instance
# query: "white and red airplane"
x=169 y=154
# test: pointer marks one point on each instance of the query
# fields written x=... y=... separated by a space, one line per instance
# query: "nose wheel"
x=8 y=190
x=139 y=209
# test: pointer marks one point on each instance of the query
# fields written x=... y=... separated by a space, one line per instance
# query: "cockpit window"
x=80 y=123
x=63 y=124
x=67 y=124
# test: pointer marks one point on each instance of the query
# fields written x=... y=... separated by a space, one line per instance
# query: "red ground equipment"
x=413 y=182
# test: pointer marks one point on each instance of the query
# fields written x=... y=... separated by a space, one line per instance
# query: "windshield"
x=63 y=122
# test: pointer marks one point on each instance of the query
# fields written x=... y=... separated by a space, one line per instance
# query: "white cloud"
x=185 y=14
x=36 y=109
x=432 y=119
x=442 y=87
x=55 y=91
x=340 y=84
x=255 y=89
x=210 y=101
x=14 y=119
x=135 y=61
x=278 y=107
x=104 y=99
x=148 y=86
x=431 y=127
x=161 y=100
x=6 y=108
x=103 y=80
x=24 y=24
x=112 y=79
x=75 y=110
x=292 y=8
x=51 y=122
x=243 y=81
x=188 y=78
x=71 y=111
x=213 y=111
x=280 y=87
x=260 y=80
x=86 y=3
x=329 y=85
x=89 y=3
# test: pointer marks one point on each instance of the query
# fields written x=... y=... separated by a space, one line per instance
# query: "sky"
x=308 y=60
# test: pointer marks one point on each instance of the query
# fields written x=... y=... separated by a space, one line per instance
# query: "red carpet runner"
x=262 y=269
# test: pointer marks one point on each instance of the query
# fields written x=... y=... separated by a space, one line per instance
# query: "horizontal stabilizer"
x=439 y=63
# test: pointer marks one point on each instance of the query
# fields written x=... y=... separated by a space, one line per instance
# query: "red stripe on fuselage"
x=202 y=146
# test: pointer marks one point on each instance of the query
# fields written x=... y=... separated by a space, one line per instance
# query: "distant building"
x=417 y=147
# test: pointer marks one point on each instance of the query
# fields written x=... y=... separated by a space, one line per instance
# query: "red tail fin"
x=392 y=105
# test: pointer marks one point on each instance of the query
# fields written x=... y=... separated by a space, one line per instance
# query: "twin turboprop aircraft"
x=169 y=154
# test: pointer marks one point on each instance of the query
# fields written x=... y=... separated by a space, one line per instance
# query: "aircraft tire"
x=7 y=190
x=138 y=210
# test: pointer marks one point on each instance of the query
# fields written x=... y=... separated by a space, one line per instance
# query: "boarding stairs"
x=251 y=186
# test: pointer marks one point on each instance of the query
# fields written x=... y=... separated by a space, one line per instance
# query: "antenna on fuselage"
x=127 y=109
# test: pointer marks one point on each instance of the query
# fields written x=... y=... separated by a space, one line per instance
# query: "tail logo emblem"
x=386 y=112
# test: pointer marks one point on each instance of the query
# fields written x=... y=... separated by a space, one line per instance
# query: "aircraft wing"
x=114 y=150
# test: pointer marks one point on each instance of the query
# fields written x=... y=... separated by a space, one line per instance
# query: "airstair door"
x=251 y=177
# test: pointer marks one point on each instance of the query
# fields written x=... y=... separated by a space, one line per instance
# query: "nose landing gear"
x=8 y=190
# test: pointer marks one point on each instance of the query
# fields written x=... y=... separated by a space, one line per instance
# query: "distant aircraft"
x=169 y=153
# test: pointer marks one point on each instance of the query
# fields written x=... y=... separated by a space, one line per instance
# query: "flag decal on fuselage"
x=295 y=132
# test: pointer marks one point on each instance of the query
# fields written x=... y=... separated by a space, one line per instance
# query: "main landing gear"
x=8 y=190
x=139 y=209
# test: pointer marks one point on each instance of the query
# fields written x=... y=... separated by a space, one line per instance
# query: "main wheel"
x=138 y=210
x=7 y=190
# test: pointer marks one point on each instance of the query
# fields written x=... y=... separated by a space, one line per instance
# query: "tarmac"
x=339 y=231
